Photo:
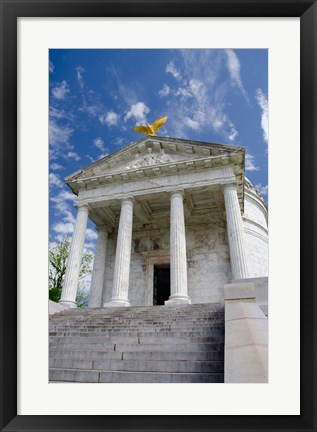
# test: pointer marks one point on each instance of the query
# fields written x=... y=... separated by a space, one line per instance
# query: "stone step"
x=140 y=365
x=139 y=320
x=154 y=329
x=131 y=323
x=141 y=309
x=153 y=339
x=112 y=323
x=207 y=317
x=135 y=313
x=136 y=355
x=143 y=344
x=91 y=376
x=209 y=314
x=110 y=326
x=136 y=333
x=83 y=354
x=194 y=317
x=121 y=347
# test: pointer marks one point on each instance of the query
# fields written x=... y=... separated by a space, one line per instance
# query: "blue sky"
x=97 y=96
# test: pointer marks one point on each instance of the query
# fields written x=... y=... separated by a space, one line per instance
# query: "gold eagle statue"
x=153 y=128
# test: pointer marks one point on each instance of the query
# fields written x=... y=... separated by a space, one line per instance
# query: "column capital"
x=104 y=228
x=128 y=200
x=231 y=185
x=179 y=192
x=81 y=207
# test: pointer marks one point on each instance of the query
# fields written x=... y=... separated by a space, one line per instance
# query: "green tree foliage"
x=58 y=256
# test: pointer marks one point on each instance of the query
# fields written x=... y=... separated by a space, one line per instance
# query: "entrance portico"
x=161 y=201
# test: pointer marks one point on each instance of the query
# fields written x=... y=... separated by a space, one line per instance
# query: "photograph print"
x=158 y=241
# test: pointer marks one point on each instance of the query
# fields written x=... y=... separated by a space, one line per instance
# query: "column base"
x=179 y=300
x=117 y=303
x=68 y=303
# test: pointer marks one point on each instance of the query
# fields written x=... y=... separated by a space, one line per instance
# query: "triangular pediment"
x=151 y=152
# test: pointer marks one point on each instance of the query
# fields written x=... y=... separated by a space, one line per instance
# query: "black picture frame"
x=10 y=11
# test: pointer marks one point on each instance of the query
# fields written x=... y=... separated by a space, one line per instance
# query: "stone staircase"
x=161 y=344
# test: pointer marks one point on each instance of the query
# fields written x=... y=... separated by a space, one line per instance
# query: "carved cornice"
x=250 y=188
x=151 y=172
x=155 y=156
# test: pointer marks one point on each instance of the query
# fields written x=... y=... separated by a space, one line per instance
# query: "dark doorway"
x=161 y=284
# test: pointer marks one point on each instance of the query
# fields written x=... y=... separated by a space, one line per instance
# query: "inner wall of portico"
x=208 y=264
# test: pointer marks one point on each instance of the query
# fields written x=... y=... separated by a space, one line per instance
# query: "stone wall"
x=208 y=263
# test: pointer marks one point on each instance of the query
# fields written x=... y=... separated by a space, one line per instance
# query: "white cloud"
x=262 y=189
x=79 y=72
x=67 y=228
x=69 y=217
x=92 y=110
x=56 y=166
x=63 y=196
x=233 y=64
x=193 y=124
x=51 y=66
x=119 y=142
x=61 y=203
x=261 y=99
x=223 y=125
x=197 y=88
x=250 y=164
x=183 y=92
x=91 y=234
x=170 y=68
x=56 y=113
x=233 y=134
x=59 y=134
x=98 y=142
x=165 y=91
x=72 y=155
x=90 y=158
x=54 y=180
x=60 y=114
x=90 y=103
x=60 y=91
x=200 y=101
x=102 y=155
x=63 y=228
x=234 y=67
x=89 y=247
x=109 y=119
x=138 y=112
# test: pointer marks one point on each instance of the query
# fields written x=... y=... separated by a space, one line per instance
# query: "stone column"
x=70 y=285
x=121 y=274
x=98 y=272
x=238 y=256
x=179 y=293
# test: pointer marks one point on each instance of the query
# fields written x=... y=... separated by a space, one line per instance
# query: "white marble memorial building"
x=176 y=220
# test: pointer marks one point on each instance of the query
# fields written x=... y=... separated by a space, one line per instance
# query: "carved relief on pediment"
x=149 y=159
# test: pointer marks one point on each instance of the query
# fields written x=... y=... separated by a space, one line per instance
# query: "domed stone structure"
x=255 y=220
